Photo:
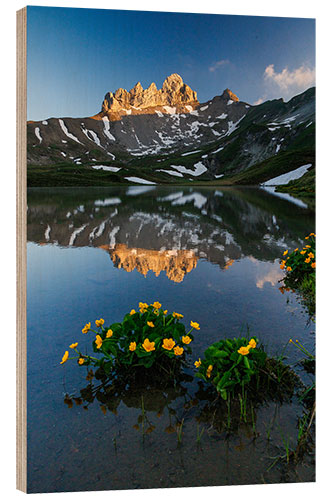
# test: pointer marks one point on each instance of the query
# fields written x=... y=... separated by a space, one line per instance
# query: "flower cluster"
x=142 y=338
x=230 y=363
x=301 y=261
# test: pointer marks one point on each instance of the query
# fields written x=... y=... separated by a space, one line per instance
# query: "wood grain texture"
x=21 y=240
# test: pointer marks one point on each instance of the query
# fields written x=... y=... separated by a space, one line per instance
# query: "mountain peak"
x=173 y=82
x=228 y=95
x=174 y=92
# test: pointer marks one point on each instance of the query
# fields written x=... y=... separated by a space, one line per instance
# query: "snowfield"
x=289 y=176
x=138 y=180
x=105 y=167
x=65 y=131
x=37 y=132
x=107 y=128
x=199 y=169
x=191 y=152
x=170 y=172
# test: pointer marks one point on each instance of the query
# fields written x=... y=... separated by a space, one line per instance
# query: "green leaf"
x=224 y=394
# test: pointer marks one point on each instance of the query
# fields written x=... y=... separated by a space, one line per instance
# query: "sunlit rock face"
x=175 y=263
x=174 y=93
x=229 y=96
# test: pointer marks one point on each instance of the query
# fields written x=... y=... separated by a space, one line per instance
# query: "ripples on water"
x=212 y=254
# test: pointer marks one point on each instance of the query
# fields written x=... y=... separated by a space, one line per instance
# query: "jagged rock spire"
x=173 y=92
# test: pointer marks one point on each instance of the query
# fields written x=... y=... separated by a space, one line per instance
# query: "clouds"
x=260 y=100
x=218 y=64
x=286 y=83
x=299 y=79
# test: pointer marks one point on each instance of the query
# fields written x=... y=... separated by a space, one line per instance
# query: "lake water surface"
x=211 y=254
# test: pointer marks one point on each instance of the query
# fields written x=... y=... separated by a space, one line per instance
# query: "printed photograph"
x=171 y=250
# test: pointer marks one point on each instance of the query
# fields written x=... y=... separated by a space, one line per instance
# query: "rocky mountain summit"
x=174 y=93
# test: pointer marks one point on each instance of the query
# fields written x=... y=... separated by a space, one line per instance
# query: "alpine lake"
x=212 y=254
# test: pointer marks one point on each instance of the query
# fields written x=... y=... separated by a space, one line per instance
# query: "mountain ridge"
x=175 y=142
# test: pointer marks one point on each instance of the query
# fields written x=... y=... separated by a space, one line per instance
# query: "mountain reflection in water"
x=168 y=229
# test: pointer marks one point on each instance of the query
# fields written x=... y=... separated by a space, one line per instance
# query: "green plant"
x=147 y=337
x=230 y=364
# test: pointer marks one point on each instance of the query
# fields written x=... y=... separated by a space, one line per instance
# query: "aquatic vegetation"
x=231 y=363
x=145 y=338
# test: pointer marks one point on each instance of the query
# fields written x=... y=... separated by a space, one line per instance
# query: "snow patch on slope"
x=289 y=176
x=107 y=128
x=37 y=132
x=199 y=169
x=66 y=132
x=138 y=180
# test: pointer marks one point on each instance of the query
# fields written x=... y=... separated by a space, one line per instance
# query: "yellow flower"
x=178 y=350
x=72 y=346
x=209 y=371
x=313 y=265
x=243 y=350
x=168 y=344
x=282 y=265
x=303 y=252
x=307 y=260
x=197 y=363
x=195 y=325
x=285 y=253
x=132 y=346
x=157 y=312
x=109 y=334
x=312 y=234
x=186 y=339
x=252 y=344
x=98 y=341
x=132 y=312
x=64 y=358
x=143 y=307
x=148 y=346
x=177 y=315
x=151 y=324
x=99 y=322
x=80 y=361
x=289 y=269
x=311 y=255
x=307 y=246
x=157 y=305
x=165 y=311
x=306 y=237
x=86 y=328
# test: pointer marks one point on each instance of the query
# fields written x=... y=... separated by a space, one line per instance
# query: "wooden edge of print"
x=21 y=231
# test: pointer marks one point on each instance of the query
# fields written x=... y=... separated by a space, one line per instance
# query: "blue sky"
x=75 y=56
